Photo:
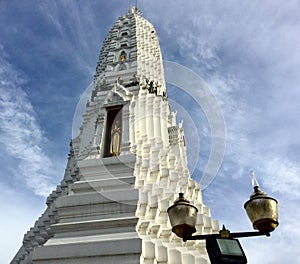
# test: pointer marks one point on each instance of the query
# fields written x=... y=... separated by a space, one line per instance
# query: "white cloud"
x=249 y=147
x=282 y=176
x=255 y=80
x=20 y=132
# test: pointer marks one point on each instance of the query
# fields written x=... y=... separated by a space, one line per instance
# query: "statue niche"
x=122 y=60
x=113 y=135
x=115 y=140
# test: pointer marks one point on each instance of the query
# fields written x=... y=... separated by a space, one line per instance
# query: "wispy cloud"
x=20 y=132
x=248 y=53
x=243 y=51
x=258 y=139
x=74 y=26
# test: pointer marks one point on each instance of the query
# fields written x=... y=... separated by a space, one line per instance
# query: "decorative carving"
x=152 y=86
x=122 y=67
x=113 y=99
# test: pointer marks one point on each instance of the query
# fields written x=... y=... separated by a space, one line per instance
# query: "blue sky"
x=248 y=53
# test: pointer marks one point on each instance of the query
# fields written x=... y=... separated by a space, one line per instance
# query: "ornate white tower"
x=124 y=169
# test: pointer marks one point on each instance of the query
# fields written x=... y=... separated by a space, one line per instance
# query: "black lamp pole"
x=224 y=233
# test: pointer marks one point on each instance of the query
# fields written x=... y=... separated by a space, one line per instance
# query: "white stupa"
x=124 y=169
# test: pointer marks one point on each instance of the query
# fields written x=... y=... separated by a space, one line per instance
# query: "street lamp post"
x=223 y=247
